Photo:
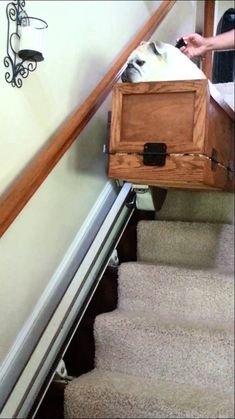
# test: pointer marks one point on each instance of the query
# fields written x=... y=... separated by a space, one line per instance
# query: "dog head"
x=155 y=61
x=142 y=63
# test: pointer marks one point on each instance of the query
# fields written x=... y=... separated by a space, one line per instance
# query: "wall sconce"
x=24 y=44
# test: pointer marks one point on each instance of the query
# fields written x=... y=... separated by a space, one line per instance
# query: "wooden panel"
x=173 y=112
x=144 y=118
x=220 y=133
x=179 y=171
x=130 y=166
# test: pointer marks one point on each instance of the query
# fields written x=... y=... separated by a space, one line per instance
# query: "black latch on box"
x=155 y=154
x=214 y=159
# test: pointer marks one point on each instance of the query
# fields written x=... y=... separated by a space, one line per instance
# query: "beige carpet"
x=167 y=351
x=105 y=394
x=189 y=244
x=201 y=206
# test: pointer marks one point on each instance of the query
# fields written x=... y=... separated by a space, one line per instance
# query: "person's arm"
x=224 y=41
x=198 y=45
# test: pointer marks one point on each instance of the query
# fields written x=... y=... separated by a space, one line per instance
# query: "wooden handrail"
x=19 y=193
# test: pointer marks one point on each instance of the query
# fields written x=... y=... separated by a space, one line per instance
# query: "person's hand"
x=196 y=45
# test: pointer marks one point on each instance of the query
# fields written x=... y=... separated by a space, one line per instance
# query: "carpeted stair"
x=167 y=350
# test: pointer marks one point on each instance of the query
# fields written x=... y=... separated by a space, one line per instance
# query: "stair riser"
x=176 y=293
x=197 y=245
x=197 y=357
x=199 y=206
x=183 y=312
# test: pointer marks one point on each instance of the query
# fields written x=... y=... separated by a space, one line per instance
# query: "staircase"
x=167 y=350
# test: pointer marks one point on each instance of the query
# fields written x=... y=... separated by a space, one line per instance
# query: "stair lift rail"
x=63 y=323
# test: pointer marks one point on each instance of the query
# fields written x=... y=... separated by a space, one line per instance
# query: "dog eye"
x=140 y=62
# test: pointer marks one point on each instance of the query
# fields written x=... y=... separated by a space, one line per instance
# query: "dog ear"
x=157 y=47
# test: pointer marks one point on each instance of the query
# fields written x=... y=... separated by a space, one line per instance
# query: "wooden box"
x=172 y=134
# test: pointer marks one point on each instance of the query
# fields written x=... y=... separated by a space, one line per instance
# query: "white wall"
x=83 y=40
x=179 y=21
x=76 y=58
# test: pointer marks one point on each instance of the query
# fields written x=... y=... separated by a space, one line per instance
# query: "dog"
x=158 y=61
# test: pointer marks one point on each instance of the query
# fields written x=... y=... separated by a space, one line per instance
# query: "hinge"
x=154 y=154
x=230 y=170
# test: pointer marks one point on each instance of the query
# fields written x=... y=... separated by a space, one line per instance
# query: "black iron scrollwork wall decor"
x=24 y=43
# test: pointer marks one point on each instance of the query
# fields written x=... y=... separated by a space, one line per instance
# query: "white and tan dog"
x=158 y=61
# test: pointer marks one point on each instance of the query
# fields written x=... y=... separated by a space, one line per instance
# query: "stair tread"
x=146 y=320
x=105 y=394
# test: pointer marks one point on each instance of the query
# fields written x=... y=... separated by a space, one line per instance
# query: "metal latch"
x=61 y=373
x=155 y=154
x=131 y=199
x=214 y=160
x=108 y=131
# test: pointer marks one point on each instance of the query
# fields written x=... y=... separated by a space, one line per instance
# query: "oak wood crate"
x=176 y=134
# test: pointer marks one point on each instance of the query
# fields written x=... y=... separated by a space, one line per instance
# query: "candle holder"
x=24 y=43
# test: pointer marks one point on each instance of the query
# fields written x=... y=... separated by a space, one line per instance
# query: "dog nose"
x=130 y=65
